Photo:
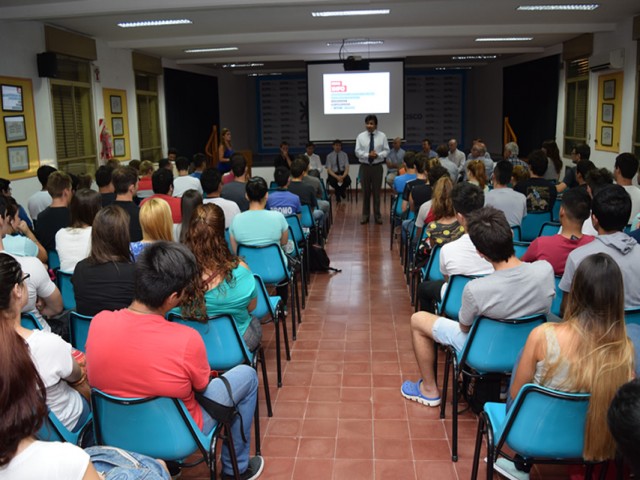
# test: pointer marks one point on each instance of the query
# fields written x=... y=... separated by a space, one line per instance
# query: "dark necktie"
x=371 y=147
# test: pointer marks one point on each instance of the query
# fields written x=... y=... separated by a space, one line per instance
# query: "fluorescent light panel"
x=362 y=41
x=504 y=39
x=205 y=50
x=242 y=65
x=585 y=7
x=351 y=13
x=475 y=57
x=154 y=23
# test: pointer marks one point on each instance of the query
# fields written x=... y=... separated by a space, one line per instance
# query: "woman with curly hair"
x=228 y=286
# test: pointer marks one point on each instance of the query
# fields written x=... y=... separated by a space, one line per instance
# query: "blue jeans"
x=117 y=464
x=244 y=387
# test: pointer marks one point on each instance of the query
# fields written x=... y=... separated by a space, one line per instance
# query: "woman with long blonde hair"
x=588 y=352
x=228 y=286
x=477 y=174
x=225 y=151
x=156 y=224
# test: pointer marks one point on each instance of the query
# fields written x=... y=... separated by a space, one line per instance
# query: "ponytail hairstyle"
x=22 y=393
x=479 y=171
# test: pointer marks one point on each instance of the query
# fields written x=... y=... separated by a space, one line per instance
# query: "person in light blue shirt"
x=426 y=149
x=401 y=180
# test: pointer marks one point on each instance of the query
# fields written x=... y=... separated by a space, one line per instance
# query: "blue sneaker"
x=411 y=391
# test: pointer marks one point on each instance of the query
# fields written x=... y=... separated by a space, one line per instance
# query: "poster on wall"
x=18 y=159
x=12 y=100
x=14 y=129
x=118 y=147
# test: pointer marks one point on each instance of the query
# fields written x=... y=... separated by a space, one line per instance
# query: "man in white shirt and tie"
x=372 y=148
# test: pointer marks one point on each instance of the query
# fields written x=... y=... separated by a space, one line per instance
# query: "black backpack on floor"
x=319 y=260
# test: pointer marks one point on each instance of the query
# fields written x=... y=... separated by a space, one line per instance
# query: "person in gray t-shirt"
x=512 y=203
x=514 y=290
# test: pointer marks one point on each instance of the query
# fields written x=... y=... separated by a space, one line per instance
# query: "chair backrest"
x=325 y=194
x=53 y=430
x=555 y=211
x=517 y=234
x=266 y=261
x=263 y=306
x=27 y=320
x=520 y=248
x=549 y=229
x=66 y=290
x=452 y=300
x=545 y=423
x=79 y=330
x=632 y=315
x=296 y=248
x=306 y=217
x=159 y=427
x=397 y=206
x=225 y=346
x=53 y=260
x=432 y=269
x=531 y=224
x=296 y=227
x=557 y=300
x=493 y=345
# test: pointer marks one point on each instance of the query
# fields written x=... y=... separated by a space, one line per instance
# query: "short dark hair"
x=612 y=207
x=135 y=163
x=421 y=163
x=281 y=176
x=310 y=144
x=428 y=141
x=538 y=162
x=442 y=150
x=583 y=167
x=164 y=163
x=84 y=206
x=164 y=268
x=467 y=198
x=502 y=172
x=577 y=204
x=283 y=143
x=123 y=178
x=370 y=118
x=597 y=179
x=182 y=163
x=583 y=150
x=337 y=142
x=162 y=181
x=297 y=167
x=256 y=189
x=210 y=180
x=436 y=173
x=172 y=150
x=43 y=174
x=4 y=185
x=199 y=159
x=628 y=165
x=410 y=160
x=491 y=234
x=238 y=164
x=623 y=419
x=57 y=183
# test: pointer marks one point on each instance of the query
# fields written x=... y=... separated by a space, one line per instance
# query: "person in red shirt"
x=136 y=352
x=575 y=209
x=162 y=183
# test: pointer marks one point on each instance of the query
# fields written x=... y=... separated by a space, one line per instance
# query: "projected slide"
x=349 y=93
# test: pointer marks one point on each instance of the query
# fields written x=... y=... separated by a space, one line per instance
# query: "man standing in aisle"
x=372 y=149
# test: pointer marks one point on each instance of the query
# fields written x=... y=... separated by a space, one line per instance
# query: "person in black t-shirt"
x=56 y=215
x=541 y=194
x=125 y=184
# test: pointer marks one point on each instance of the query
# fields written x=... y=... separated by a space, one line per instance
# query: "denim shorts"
x=117 y=464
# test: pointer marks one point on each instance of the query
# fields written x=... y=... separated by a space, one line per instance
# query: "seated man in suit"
x=156 y=357
x=514 y=290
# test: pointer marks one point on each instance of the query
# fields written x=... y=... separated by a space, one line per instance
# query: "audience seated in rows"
x=282 y=200
x=510 y=154
x=104 y=280
x=125 y=184
x=162 y=182
x=394 y=161
x=550 y=148
x=105 y=185
x=145 y=188
x=56 y=215
x=410 y=174
x=315 y=182
x=476 y=174
x=19 y=239
x=626 y=167
x=212 y=187
x=443 y=158
x=479 y=152
x=623 y=419
x=235 y=191
x=184 y=181
x=156 y=357
x=513 y=204
x=579 y=152
x=303 y=190
x=5 y=191
x=41 y=199
x=156 y=224
x=337 y=165
x=188 y=203
x=514 y=290
x=541 y=194
x=445 y=227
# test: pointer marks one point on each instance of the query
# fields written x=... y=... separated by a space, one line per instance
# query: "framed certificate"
x=606 y=137
x=14 y=129
x=18 y=159
x=117 y=127
x=607 y=112
x=118 y=147
x=12 y=98
x=609 y=90
x=116 y=104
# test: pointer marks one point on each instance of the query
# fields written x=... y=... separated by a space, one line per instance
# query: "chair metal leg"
x=265 y=380
x=445 y=383
x=476 y=453
x=276 y=321
x=232 y=453
x=283 y=321
x=454 y=413
x=297 y=301
x=256 y=424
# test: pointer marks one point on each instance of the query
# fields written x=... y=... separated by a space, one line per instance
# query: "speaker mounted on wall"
x=47 y=65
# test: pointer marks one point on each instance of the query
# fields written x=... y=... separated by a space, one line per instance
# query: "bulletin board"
x=19 y=156
x=116 y=118
x=609 y=112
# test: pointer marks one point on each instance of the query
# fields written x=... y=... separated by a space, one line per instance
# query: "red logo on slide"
x=338 y=87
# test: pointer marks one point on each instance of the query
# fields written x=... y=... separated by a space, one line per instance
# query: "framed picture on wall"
x=14 y=129
x=607 y=112
x=116 y=104
x=12 y=98
x=606 y=137
x=18 y=159
x=118 y=147
x=609 y=90
x=117 y=127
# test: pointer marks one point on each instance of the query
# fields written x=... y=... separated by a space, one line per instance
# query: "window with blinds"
x=576 y=104
x=73 y=117
x=148 y=117
x=636 y=132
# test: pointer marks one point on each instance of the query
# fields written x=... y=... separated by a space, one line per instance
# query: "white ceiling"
x=281 y=31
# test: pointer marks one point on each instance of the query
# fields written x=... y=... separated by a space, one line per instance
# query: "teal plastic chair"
x=302 y=241
x=632 y=315
x=430 y=272
x=53 y=430
x=520 y=248
x=532 y=223
x=271 y=306
x=548 y=229
x=517 y=233
x=555 y=211
x=267 y=261
x=306 y=217
x=79 y=330
x=557 y=300
x=159 y=427
x=298 y=266
x=491 y=350
x=543 y=426
x=53 y=260
x=66 y=290
x=27 y=320
x=452 y=300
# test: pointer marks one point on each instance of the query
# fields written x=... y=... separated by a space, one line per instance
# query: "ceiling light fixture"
x=504 y=39
x=205 y=50
x=350 y=13
x=585 y=7
x=154 y=23
x=242 y=65
x=475 y=57
x=355 y=41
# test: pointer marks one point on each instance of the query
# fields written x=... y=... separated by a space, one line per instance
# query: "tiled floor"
x=339 y=414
